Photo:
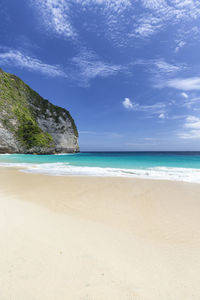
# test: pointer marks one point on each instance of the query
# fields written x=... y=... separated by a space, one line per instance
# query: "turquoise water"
x=125 y=160
x=159 y=165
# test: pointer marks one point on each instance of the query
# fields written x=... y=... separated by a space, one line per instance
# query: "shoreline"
x=185 y=175
x=98 y=238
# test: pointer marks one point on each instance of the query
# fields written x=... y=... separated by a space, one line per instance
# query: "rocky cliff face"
x=31 y=124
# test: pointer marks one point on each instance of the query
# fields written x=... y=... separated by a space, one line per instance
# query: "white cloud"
x=157 y=14
x=153 y=4
x=193 y=134
x=19 y=59
x=148 y=17
x=87 y=65
x=180 y=44
x=162 y=116
x=55 y=15
x=185 y=84
x=147 y=27
x=81 y=69
x=157 y=108
x=186 y=35
x=127 y=103
x=160 y=68
x=192 y=122
x=184 y=95
x=192 y=103
x=192 y=128
x=195 y=100
x=115 y=5
x=162 y=72
x=167 y=68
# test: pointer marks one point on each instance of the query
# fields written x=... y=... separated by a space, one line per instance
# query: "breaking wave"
x=64 y=169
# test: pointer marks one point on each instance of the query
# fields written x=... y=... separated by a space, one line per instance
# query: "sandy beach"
x=89 y=238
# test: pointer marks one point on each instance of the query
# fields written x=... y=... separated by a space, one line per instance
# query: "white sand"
x=65 y=238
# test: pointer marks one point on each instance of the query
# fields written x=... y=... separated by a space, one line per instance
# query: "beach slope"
x=89 y=238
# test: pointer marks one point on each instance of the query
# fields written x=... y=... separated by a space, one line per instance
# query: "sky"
x=128 y=71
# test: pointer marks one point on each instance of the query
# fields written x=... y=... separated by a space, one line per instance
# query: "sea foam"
x=64 y=169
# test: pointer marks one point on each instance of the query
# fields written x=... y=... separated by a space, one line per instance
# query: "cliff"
x=31 y=124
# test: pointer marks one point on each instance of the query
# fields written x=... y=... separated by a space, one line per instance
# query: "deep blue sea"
x=181 y=166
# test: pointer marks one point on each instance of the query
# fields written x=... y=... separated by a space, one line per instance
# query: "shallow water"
x=182 y=166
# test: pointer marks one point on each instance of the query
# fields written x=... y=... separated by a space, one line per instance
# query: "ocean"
x=178 y=166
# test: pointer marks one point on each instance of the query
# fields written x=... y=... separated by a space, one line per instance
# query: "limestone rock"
x=31 y=124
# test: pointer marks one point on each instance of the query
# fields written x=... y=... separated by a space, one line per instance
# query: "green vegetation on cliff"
x=20 y=106
x=29 y=133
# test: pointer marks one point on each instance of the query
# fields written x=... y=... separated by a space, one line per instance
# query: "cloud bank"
x=17 y=58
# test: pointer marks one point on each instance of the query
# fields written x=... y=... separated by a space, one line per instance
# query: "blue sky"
x=128 y=71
